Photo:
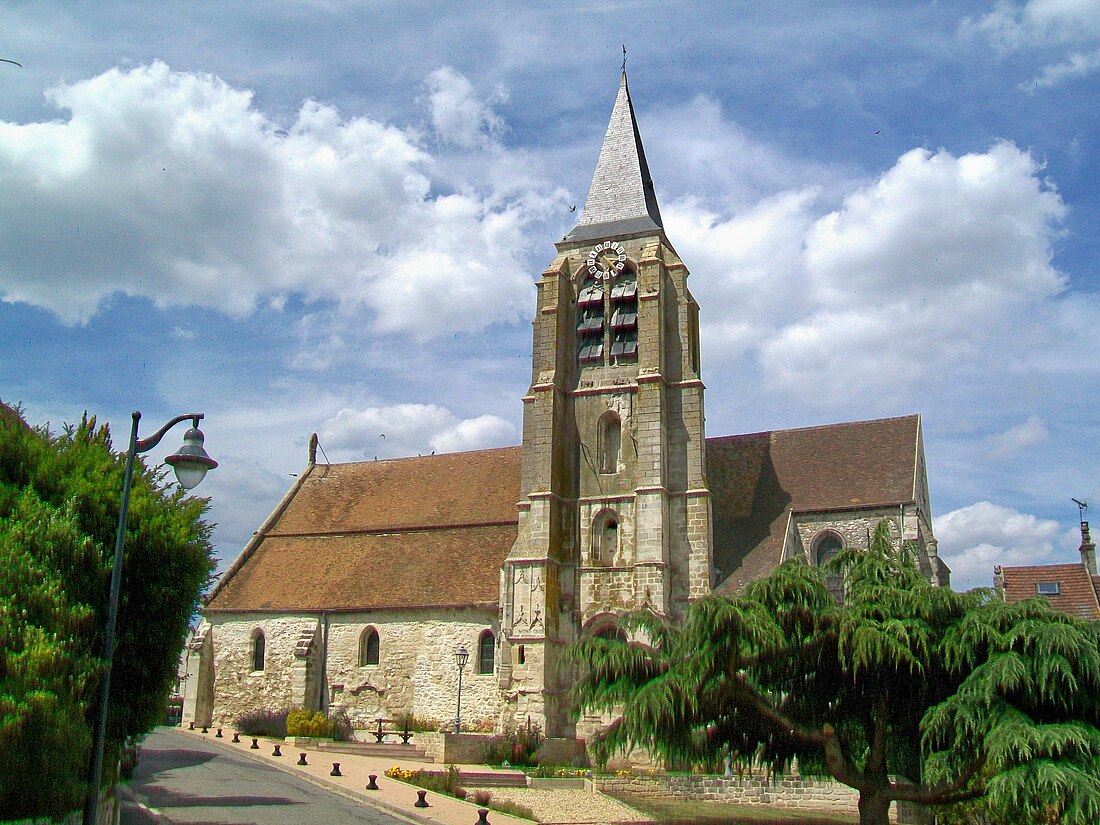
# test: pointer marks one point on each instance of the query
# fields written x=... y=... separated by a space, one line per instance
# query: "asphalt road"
x=191 y=782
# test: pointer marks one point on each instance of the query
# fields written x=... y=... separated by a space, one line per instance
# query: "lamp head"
x=191 y=461
x=462 y=656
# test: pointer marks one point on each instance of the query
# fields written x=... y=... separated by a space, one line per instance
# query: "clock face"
x=606 y=260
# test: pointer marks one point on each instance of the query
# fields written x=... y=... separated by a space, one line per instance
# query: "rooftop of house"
x=1069 y=588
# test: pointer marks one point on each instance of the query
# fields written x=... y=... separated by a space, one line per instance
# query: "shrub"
x=482 y=796
x=507 y=806
x=302 y=722
x=516 y=746
x=444 y=782
x=407 y=721
x=342 y=728
x=263 y=722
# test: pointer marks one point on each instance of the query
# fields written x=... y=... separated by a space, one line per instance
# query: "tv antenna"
x=1082 y=506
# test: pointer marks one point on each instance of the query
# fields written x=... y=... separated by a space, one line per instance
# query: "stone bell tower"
x=614 y=513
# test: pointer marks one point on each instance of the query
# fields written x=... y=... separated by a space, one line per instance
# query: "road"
x=191 y=782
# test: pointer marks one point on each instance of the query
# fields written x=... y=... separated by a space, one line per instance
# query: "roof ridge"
x=834 y=425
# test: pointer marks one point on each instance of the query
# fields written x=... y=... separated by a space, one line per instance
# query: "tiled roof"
x=425 y=531
x=431 y=568
x=1078 y=591
x=435 y=530
x=431 y=491
x=757 y=480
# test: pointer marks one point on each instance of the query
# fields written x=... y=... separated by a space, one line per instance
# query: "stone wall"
x=788 y=792
x=416 y=671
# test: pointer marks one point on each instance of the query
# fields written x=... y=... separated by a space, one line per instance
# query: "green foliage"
x=905 y=691
x=263 y=722
x=449 y=783
x=516 y=746
x=59 y=502
x=409 y=722
x=302 y=722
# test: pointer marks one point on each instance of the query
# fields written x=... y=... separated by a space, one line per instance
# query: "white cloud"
x=1013 y=26
x=1075 y=65
x=408 y=429
x=1043 y=24
x=174 y=186
x=975 y=538
x=938 y=265
x=458 y=115
x=1012 y=441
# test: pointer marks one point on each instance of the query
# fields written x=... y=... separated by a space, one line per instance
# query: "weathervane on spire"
x=624 y=58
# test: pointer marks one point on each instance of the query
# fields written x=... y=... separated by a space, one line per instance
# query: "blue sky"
x=329 y=216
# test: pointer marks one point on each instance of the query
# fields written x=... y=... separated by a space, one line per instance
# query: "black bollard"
x=236 y=737
x=421 y=802
x=218 y=735
x=276 y=752
x=254 y=746
x=191 y=725
x=335 y=769
x=302 y=759
x=204 y=729
x=482 y=816
x=372 y=785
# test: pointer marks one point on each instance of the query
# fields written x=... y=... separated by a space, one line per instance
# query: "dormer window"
x=1047 y=589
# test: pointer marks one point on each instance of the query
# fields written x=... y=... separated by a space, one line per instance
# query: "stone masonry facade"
x=416 y=671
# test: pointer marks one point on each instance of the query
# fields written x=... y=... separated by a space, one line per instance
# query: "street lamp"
x=190 y=463
x=462 y=656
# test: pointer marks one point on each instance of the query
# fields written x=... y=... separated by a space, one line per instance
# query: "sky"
x=330 y=216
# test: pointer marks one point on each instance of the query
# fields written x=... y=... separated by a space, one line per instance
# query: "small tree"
x=905 y=692
x=59 y=502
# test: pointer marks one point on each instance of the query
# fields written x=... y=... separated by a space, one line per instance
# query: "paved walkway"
x=557 y=806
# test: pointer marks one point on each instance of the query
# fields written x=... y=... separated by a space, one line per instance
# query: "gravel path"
x=571 y=806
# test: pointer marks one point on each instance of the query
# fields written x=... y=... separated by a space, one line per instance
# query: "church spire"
x=621 y=199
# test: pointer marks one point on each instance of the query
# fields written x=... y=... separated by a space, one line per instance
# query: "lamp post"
x=190 y=463
x=462 y=656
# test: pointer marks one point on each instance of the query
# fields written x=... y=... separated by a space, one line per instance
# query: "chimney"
x=1088 y=549
x=999 y=582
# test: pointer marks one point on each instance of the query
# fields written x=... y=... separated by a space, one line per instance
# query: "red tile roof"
x=1079 y=593
x=758 y=480
x=412 y=532
x=435 y=530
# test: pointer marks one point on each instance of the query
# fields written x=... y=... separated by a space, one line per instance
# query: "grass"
x=699 y=812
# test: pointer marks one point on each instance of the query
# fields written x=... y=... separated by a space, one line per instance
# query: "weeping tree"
x=904 y=692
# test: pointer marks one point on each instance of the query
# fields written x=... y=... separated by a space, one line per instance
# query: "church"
x=357 y=590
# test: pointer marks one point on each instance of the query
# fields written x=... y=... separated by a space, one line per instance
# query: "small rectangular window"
x=1048 y=588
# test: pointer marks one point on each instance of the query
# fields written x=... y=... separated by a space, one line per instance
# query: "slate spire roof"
x=621 y=200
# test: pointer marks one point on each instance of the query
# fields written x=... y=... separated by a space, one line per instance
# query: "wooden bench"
x=382 y=731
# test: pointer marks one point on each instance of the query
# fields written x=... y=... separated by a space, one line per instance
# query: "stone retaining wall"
x=790 y=792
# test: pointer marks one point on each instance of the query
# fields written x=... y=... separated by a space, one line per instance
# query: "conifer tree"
x=904 y=692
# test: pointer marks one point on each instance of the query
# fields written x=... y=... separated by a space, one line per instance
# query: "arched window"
x=612 y=633
x=486 y=649
x=605 y=538
x=368 y=647
x=259 y=650
x=827 y=546
x=608 y=440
